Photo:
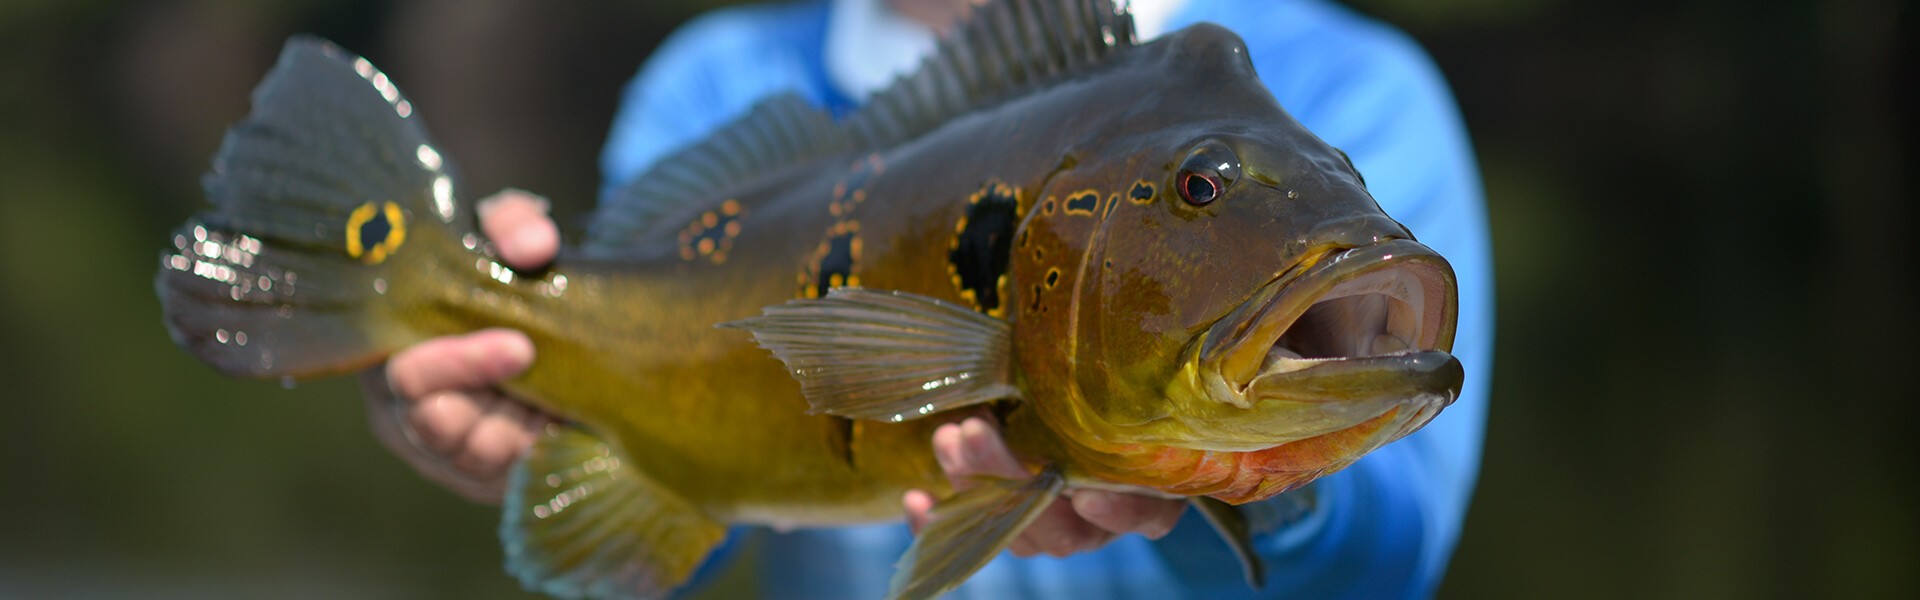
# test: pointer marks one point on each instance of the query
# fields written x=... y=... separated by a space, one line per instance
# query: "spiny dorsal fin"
x=776 y=132
x=1004 y=49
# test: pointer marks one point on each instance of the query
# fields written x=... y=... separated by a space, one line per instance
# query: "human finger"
x=1059 y=531
x=390 y=417
x=919 y=508
x=497 y=438
x=474 y=361
x=1121 y=513
x=520 y=228
x=442 y=420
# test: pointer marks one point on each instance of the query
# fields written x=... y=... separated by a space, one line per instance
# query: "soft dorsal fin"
x=1005 y=48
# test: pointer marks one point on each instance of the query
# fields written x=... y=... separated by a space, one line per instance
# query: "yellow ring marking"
x=396 y=232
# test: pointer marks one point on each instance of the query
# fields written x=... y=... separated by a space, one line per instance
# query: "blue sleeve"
x=709 y=72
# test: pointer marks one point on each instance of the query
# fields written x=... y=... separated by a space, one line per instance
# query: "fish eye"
x=1208 y=171
x=1198 y=189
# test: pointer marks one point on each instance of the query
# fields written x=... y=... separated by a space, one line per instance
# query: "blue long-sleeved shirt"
x=1384 y=527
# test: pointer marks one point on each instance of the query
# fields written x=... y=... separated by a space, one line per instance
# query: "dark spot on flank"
x=711 y=234
x=1053 y=277
x=1112 y=201
x=842 y=441
x=1083 y=204
x=1142 y=193
x=984 y=244
x=836 y=267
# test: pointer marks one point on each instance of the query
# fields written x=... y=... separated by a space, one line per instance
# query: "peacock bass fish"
x=1158 y=280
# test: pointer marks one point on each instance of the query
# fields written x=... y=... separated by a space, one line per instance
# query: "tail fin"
x=316 y=195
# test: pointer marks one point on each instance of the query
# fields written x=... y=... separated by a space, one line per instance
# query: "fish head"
x=1249 y=294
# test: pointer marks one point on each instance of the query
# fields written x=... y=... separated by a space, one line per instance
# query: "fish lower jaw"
x=1363 y=305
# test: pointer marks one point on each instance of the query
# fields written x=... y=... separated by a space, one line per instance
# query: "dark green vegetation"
x=1697 y=213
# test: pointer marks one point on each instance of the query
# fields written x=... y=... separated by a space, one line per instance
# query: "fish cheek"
x=1132 y=337
x=1042 y=340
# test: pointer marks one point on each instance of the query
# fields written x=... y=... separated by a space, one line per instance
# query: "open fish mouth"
x=1356 y=333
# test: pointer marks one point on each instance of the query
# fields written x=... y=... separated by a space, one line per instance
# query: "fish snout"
x=1352 y=335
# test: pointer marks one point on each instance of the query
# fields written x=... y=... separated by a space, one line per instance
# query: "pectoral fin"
x=887 y=355
x=968 y=530
x=1233 y=527
x=580 y=521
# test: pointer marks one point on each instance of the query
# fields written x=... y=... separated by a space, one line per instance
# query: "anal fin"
x=968 y=530
x=580 y=521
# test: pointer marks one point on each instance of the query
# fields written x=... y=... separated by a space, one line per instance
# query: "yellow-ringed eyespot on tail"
x=375 y=231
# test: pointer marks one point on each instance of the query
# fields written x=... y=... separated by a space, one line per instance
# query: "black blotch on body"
x=836 y=268
x=981 y=251
x=843 y=440
x=1142 y=193
x=1083 y=204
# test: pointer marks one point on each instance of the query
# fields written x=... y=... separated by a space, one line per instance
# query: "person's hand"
x=1086 y=521
x=438 y=404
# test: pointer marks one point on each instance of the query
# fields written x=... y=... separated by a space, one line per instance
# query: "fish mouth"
x=1346 y=336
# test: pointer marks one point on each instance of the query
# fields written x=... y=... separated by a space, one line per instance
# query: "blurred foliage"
x=1698 y=207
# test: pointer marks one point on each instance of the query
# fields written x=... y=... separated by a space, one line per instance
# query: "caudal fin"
x=317 y=195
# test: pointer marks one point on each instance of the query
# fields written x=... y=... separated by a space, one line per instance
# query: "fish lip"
x=1244 y=347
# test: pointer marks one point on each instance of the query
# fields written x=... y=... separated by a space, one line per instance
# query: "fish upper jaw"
x=1342 y=338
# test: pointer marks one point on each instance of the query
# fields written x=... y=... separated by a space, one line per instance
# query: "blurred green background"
x=1706 y=321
